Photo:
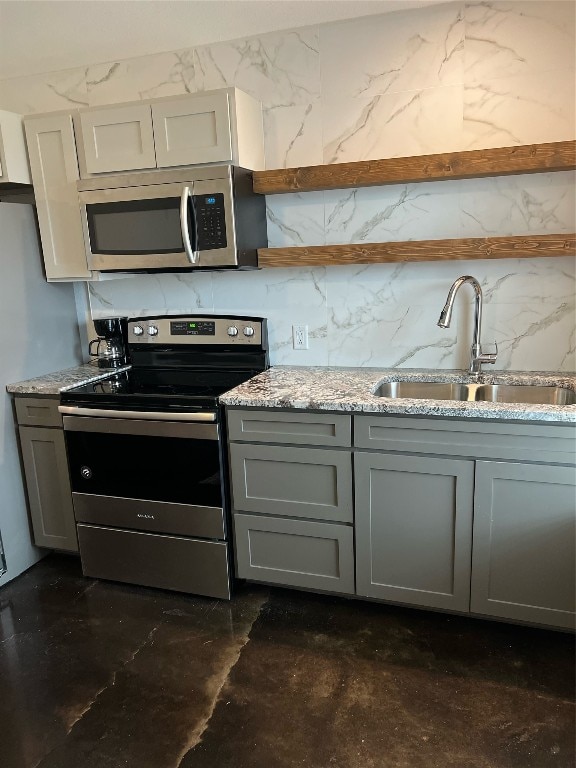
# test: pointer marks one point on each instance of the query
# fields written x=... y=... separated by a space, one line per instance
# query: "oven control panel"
x=196 y=330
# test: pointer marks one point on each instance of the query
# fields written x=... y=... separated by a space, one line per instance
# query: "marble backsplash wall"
x=448 y=77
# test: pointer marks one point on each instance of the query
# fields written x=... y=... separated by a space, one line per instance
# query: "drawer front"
x=330 y=430
x=38 y=411
x=474 y=439
x=152 y=560
x=295 y=553
x=294 y=482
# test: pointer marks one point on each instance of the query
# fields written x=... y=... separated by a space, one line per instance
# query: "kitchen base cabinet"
x=46 y=473
x=414 y=529
x=524 y=543
x=295 y=553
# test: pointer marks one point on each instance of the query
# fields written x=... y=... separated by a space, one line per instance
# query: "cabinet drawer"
x=295 y=553
x=38 y=412
x=330 y=430
x=295 y=482
x=474 y=439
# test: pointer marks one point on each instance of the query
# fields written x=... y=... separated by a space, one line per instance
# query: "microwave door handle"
x=188 y=195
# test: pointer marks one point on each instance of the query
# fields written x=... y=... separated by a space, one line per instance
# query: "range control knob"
x=248 y=331
x=137 y=330
x=232 y=330
x=152 y=330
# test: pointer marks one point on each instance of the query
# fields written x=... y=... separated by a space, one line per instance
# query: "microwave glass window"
x=135 y=227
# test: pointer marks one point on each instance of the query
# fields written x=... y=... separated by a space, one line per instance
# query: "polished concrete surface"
x=102 y=675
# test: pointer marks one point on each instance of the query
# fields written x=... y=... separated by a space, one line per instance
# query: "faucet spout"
x=477 y=357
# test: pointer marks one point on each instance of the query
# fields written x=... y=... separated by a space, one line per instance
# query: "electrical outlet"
x=300 y=336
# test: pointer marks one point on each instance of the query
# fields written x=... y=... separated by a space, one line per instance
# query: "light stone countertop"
x=351 y=390
x=347 y=390
x=52 y=384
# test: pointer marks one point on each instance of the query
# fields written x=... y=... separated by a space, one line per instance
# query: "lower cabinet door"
x=295 y=553
x=524 y=543
x=414 y=529
x=48 y=485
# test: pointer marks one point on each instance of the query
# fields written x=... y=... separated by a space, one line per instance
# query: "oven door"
x=160 y=226
x=147 y=475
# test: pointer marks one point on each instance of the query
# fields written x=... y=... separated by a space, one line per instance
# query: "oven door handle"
x=188 y=196
x=75 y=410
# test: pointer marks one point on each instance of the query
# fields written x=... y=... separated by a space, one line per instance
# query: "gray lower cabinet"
x=296 y=553
x=414 y=529
x=524 y=542
x=292 y=482
x=46 y=473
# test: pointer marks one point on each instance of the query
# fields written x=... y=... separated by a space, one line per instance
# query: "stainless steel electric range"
x=147 y=457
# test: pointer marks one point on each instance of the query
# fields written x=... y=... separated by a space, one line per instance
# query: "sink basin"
x=526 y=393
x=427 y=390
x=529 y=394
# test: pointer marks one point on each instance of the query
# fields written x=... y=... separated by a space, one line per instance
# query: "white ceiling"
x=45 y=35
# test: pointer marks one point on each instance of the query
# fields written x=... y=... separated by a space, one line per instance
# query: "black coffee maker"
x=111 y=347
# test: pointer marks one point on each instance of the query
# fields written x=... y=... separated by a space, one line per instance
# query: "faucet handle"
x=488 y=357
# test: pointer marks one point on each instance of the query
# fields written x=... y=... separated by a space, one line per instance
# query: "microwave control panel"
x=210 y=221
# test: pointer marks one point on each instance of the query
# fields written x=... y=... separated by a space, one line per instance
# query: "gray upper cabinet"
x=524 y=541
x=54 y=167
x=414 y=529
x=224 y=125
x=116 y=138
x=48 y=486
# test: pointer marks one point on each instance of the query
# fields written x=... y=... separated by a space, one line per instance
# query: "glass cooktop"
x=157 y=389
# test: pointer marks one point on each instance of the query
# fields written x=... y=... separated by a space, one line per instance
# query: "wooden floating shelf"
x=529 y=158
x=473 y=248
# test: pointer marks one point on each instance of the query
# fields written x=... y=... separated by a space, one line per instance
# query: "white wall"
x=455 y=77
x=38 y=334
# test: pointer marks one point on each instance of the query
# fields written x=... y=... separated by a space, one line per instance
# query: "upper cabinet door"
x=116 y=139
x=13 y=160
x=193 y=130
x=52 y=152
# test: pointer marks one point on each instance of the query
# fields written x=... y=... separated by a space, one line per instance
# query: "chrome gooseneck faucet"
x=477 y=357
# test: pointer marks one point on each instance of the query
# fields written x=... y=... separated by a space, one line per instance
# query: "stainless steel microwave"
x=157 y=221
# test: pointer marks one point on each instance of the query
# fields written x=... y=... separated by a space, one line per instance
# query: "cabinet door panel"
x=524 y=542
x=117 y=139
x=192 y=130
x=295 y=553
x=54 y=167
x=38 y=411
x=49 y=494
x=297 y=482
x=414 y=529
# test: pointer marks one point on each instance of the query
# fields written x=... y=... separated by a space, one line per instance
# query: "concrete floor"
x=103 y=675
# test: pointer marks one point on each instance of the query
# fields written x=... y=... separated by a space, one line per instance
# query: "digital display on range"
x=193 y=328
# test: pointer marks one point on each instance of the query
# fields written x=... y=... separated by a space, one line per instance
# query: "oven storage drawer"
x=295 y=553
x=153 y=560
x=145 y=515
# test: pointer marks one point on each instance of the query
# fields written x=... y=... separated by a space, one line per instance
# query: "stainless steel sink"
x=530 y=394
x=427 y=390
x=525 y=393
